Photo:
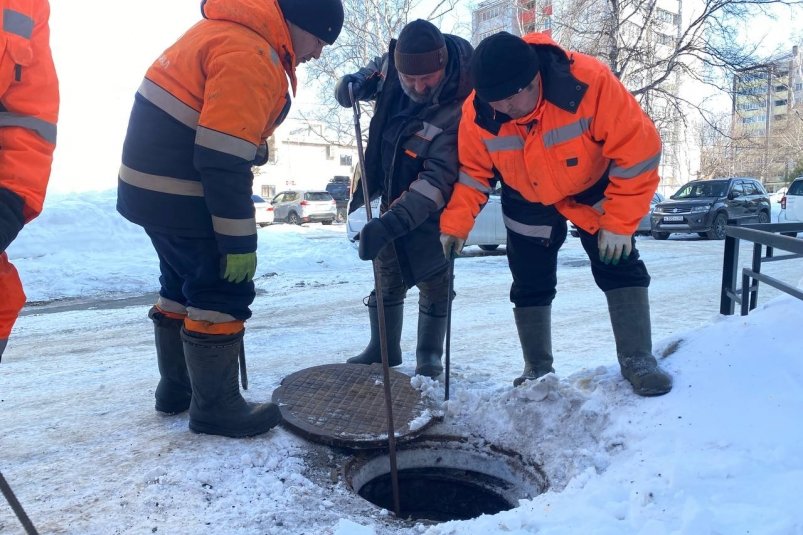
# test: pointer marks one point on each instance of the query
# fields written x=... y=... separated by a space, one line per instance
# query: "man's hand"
x=614 y=247
x=373 y=237
x=342 y=89
x=452 y=245
x=240 y=267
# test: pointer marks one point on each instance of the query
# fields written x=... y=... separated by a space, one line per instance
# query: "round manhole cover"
x=344 y=405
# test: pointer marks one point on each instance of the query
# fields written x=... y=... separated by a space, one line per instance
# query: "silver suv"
x=299 y=206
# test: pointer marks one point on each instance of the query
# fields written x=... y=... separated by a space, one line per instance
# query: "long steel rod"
x=449 y=325
x=17 y=507
x=380 y=309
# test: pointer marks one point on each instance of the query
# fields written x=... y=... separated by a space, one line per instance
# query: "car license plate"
x=673 y=218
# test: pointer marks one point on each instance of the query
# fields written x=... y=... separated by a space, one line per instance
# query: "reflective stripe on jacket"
x=586 y=126
x=200 y=120
x=29 y=102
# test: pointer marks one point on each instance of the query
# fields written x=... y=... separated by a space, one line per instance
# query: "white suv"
x=792 y=202
x=298 y=206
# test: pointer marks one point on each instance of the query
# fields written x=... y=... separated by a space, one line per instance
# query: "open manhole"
x=446 y=478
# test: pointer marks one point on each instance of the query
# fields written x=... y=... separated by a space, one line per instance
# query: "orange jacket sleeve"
x=30 y=103
x=631 y=141
x=474 y=181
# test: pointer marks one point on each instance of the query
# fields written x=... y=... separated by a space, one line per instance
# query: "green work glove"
x=614 y=247
x=240 y=267
x=452 y=245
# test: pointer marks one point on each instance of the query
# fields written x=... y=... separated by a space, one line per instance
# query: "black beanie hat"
x=502 y=65
x=321 y=18
x=420 y=49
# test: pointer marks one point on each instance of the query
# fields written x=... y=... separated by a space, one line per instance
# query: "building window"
x=781 y=102
x=666 y=16
x=345 y=160
x=664 y=39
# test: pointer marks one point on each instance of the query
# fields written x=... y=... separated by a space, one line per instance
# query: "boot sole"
x=367 y=363
x=648 y=393
x=208 y=429
x=169 y=410
x=270 y=421
x=431 y=373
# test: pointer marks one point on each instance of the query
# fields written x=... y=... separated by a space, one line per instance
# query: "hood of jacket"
x=457 y=85
x=261 y=16
x=559 y=84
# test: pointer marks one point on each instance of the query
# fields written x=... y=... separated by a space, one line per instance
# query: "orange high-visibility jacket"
x=29 y=102
x=585 y=126
x=200 y=121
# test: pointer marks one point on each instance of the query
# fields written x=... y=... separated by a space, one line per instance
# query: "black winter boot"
x=173 y=392
x=217 y=407
x=394 y=316
x=429 y=349
x=534 y=325
x=630 y=318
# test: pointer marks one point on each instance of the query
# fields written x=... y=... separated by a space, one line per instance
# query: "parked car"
x=263 y=211
x=792 y=202
x=299 y=206
x=338 y=188
x=706 y=206
x=644 y=226
x=489 y=230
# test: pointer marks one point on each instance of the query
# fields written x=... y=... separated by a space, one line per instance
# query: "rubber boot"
x=173 y=393
x=217 y=408
x=429 y=348
x=394 y=316
x=534 y=325
x=630 y=318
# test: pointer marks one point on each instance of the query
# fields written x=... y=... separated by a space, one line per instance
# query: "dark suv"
x=338 y=188
x=706 y=206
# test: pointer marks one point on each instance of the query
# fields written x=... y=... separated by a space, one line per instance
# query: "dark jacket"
x=199 y=123
x=417 y=181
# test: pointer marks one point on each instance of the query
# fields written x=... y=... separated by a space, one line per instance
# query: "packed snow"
x=86 y=453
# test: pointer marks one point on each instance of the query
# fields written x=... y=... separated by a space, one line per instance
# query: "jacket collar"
x=263 y=17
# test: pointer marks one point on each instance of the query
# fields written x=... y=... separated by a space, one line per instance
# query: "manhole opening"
x=441 y=480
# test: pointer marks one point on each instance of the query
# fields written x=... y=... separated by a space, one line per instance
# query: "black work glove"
x=11 y=218
x=379 y=232
x=342 y=89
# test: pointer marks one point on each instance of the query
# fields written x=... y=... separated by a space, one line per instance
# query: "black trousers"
x=432 y=292
x=535 y=233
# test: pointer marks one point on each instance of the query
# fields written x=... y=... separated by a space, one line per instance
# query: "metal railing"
x=769 y=235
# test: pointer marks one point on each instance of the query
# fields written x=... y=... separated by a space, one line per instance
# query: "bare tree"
x=368 y=27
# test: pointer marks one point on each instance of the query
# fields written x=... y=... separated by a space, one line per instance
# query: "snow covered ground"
x=86 y=453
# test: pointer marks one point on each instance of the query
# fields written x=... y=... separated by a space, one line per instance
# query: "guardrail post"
x=730 y=270
x=756 y=269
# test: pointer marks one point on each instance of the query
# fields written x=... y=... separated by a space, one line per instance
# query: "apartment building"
x=518 y=17
x=302 y=157
x=767 y=111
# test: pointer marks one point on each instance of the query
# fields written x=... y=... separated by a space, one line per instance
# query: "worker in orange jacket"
x=200 y=121
x=568 y=142
x=29 y=106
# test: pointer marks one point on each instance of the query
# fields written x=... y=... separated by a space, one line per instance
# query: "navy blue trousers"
x=191 y=270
